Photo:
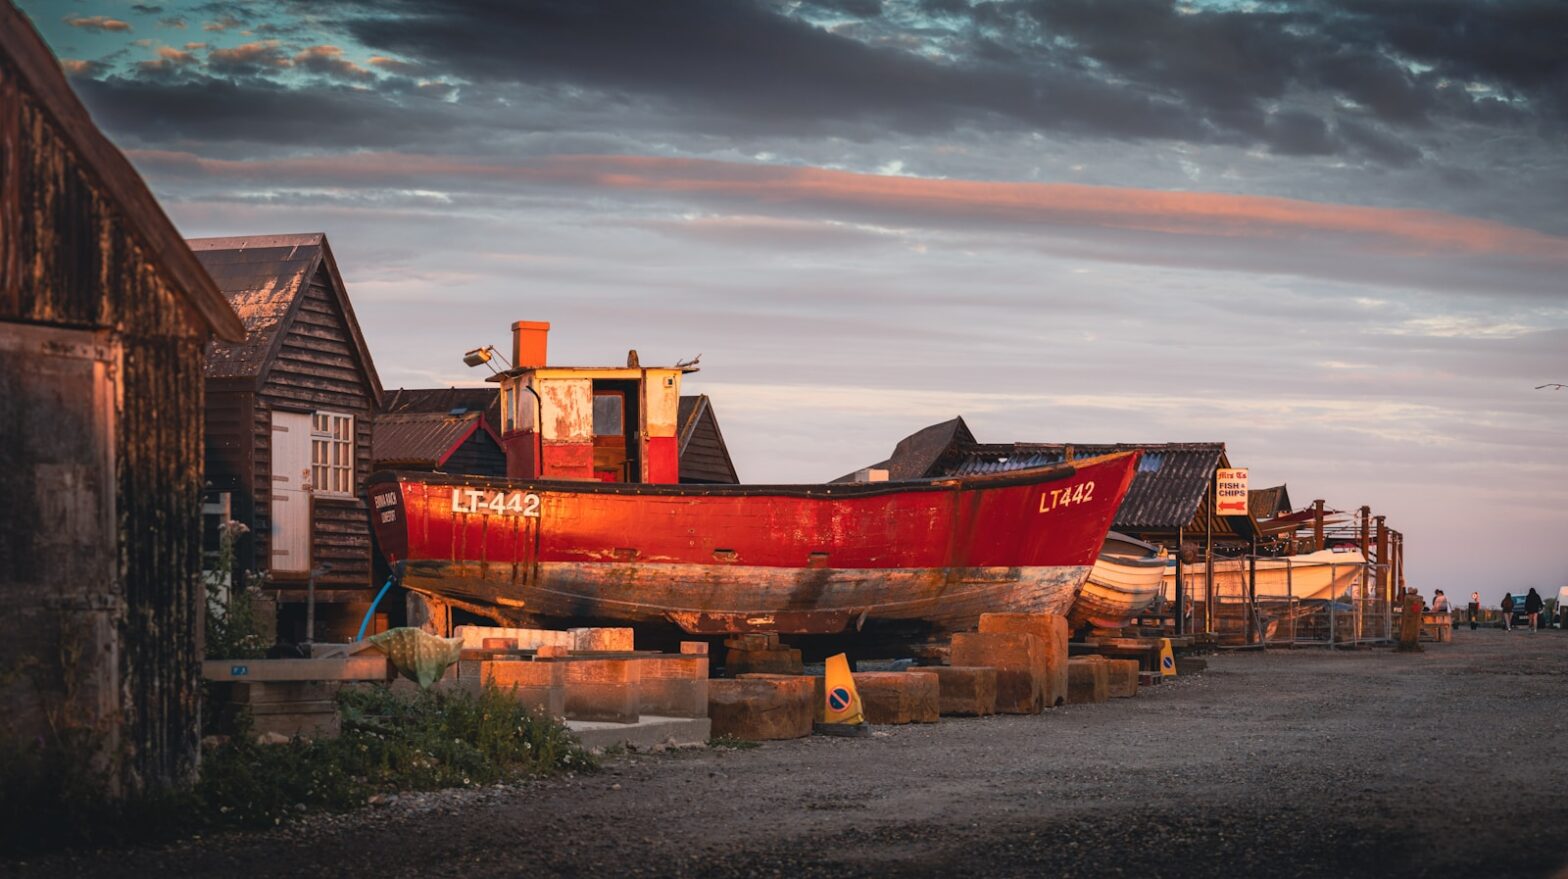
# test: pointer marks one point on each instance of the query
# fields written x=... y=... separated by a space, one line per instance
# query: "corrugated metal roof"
x=1171 y=482
x=261 y=276
x=420 y=439
x=447 y=401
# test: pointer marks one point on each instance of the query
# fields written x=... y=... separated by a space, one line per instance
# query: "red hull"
x=803 y=559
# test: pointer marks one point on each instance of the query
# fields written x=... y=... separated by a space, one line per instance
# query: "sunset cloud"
x=97 y=23
x=248 y=58
x=329 y=61
x=761 y=187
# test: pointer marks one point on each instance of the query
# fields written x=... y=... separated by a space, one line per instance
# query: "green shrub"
x=390 y=743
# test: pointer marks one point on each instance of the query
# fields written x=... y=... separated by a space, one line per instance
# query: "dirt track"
x=1452 y=762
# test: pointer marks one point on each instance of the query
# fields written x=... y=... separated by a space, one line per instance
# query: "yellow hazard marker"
x=1167 y=659
x=842 y=701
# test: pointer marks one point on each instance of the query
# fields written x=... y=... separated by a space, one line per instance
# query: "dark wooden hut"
x=289 y=415
x=104 y=313
x=704 y=456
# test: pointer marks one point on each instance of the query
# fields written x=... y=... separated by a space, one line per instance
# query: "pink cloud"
x=760 y=188
x=97 y=23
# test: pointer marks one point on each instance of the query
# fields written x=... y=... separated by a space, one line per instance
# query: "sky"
x=1330 y=235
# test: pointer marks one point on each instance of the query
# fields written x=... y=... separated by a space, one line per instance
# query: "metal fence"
x=1267 y=601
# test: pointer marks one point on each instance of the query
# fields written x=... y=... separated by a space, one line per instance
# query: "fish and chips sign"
x=1230 y=492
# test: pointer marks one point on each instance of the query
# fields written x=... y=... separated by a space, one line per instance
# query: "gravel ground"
x=1450 y=762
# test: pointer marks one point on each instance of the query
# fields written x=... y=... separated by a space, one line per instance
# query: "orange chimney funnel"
x=530 y=341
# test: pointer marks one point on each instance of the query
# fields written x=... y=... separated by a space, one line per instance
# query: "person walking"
x=1532 y=606
x=1475 y=609
x=1508 y=611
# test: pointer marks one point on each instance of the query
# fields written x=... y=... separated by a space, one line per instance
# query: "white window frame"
x=332 y=454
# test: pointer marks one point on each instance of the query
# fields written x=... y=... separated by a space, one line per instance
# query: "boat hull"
x=1116 y=590
x=1319 y=576
x=792 y=559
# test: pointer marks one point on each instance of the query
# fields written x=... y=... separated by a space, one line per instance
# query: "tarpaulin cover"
x=418 y=655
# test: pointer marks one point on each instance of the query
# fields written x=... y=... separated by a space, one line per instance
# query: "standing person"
x=1508 y=611
x=1532 y=606
x=1475 y=608
x=1440 y=602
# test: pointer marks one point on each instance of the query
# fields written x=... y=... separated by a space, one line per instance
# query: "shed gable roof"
x=264 y=278
x=423 y=439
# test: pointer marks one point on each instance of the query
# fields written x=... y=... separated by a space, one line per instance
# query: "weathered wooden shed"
x=104 y=313
x=289 y=414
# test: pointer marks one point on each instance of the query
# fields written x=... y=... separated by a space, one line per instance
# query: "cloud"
x=227 y=22
x=396 y=65
x=78 y=67
x=97 y=23
x=173 y=23
x=169 y=58
x=329 y=61
x=248 y=58
x=759 y=186
x=145 y=9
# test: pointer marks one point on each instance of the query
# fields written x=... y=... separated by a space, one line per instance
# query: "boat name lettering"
x=386 y=499
x=1061 y=497
x=505 y=503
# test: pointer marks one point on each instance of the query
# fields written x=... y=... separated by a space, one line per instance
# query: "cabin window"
x=332 y=454
x=609 y=414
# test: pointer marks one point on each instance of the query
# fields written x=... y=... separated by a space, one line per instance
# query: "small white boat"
x=1326 y=575
x=1124 y=581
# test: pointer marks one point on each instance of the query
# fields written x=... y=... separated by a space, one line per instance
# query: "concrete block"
x=898 y=697
x=761 y=709
x=474 y=637
x=963 y=691
x=779 y=661
x=673 y=686
x=602 y=689
x=1019 y=660
x=1123 y=677
x=1088 y=680
x=538 y=685
x=311 y=720
x=603 y=640
x=1053 y=632
x=649 y=733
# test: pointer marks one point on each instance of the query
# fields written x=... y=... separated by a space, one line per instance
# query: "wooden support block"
x=695 y=647
x=606 y=640
x=602 y=689
x=552 y=651
x=1122 y=677
x=673 y=686
x=1088 y=680
x=963 y=691
x=259 y=692
x=761 y=708
x=898 y=697
x=538 y=685
x=780 y=661
x=1053 y=632
x=1019 y=660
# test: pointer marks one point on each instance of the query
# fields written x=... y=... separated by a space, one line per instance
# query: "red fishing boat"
x=592 y=525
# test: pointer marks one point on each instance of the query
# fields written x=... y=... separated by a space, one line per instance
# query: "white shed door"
x=290 y=496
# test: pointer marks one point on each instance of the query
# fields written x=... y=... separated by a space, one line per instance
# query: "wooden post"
x=1181 y=587
x=1366 y=532
x=1410 y=623
x=1384 y=580
x=1399 y=561
x=1317 y=525
x=1208 y=560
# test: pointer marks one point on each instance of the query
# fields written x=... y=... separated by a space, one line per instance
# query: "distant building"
x=104 y=314
x=289 y=415
x=704 y=456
